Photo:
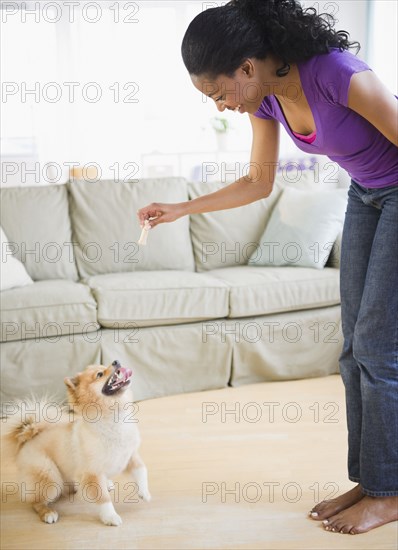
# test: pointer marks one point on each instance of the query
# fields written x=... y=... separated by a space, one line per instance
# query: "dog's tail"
x=24 y=419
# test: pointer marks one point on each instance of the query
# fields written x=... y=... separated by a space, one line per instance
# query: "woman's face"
x=245 y=90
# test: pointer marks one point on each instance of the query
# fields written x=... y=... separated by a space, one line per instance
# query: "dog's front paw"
x=108 y=514
x=145 y=495
x=110 y=485
x=50 y=517
x=111 y=519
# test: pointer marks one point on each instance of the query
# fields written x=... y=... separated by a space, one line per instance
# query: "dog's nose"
x=116 y=364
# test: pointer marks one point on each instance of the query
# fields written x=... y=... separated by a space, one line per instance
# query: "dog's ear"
x=72 y=383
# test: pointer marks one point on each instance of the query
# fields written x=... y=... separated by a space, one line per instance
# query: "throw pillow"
x=13 y=272
x=302 y=229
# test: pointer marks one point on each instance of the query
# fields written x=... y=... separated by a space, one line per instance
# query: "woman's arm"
x=370 y=98
x=256 y=185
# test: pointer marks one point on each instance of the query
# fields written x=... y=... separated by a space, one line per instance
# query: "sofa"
x=187 y=312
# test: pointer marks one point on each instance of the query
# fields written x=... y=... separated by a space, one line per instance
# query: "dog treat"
x=144 y=233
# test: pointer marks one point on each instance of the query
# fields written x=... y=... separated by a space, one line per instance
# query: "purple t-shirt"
x=341 y=134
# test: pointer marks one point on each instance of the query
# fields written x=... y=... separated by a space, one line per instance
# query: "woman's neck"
x=285 y=88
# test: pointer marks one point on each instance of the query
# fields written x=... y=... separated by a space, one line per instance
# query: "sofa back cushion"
x=36 y=222
x=106 y=227
x=227 y=238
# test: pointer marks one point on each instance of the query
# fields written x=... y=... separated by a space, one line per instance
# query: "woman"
x=278 y=63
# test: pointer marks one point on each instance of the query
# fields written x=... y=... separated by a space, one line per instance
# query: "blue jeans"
x=369 y=314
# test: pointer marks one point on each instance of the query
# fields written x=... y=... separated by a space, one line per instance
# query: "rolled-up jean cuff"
x=354 y=479
x=379 y=493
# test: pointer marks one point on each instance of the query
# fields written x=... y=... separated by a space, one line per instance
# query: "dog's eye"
x=99 y=374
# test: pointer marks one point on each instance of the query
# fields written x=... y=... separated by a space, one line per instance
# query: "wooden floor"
x=219 y=480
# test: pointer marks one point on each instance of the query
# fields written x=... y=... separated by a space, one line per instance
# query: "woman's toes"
x=345 y=529
x=330 y=524
x=339 y=525
x=315 y=510
x=318 y=512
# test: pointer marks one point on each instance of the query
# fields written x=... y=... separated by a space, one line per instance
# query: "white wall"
x=169 y=115
x=383 y=39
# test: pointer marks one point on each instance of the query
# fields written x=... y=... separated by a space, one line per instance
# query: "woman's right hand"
x=163 y=212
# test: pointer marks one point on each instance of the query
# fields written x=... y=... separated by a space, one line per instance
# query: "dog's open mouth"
x=120 y=379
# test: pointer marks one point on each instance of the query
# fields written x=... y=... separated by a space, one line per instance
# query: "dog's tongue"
x=123 y=374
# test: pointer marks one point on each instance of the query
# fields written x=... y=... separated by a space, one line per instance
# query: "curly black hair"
x=218 y=40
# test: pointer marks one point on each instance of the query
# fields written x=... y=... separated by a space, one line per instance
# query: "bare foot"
x=368 y=513
x=328 y=508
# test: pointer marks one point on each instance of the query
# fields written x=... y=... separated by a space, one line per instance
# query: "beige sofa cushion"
x=36 y=221
x=106 y=227
x=335 y=255
x=285 y=346
x=47 y=309
x=264 y=290
x=39 y=367
x=227 y=238
x=171 y=359
x=157 y=298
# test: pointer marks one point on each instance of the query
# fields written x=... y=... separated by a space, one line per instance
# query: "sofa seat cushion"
x=157 y=298
x=47 y=309
x=264 y=290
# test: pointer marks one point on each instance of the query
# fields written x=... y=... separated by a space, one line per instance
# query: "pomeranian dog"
x=93 y=438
